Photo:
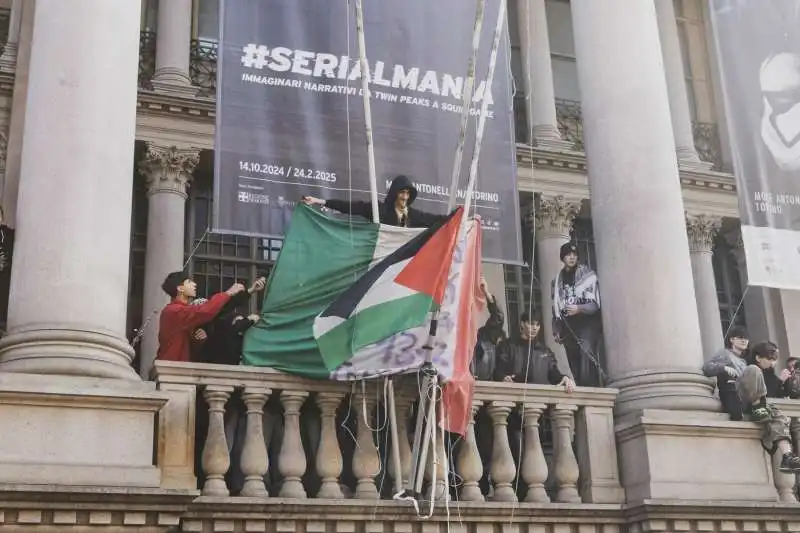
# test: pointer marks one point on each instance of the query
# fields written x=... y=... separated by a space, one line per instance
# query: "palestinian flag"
x=349 y=299
x=395 y=295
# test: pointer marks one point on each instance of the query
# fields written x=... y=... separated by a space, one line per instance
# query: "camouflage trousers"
x=751 y=388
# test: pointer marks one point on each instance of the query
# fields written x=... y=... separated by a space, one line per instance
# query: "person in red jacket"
x=179 y=318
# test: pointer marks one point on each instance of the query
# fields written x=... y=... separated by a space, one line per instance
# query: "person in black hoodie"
x=490 y=336
x=396 y=209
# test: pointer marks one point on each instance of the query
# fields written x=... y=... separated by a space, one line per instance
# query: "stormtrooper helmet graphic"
x=780 y=124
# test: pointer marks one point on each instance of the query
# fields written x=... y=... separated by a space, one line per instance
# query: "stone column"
x=69 y=283
x=554 y=218
x=676 y=87
x=8 y=59
x=538 y=75
x=652 y=334
x=702 y=230
x=173 y=46
x=168 y=171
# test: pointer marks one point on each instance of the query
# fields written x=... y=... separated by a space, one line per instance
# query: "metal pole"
x=398 y=477
x=466 y=104
x=362 y=53
x=473 y=169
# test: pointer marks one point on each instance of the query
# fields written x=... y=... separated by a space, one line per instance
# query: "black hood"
x=398 y=184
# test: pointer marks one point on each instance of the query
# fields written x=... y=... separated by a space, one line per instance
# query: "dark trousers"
x=582 y=343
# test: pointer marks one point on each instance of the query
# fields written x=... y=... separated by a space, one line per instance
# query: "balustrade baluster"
x=329 y=456
x=469 y=464
x=254 y=459
x=216 y=460
x=366 y=461
x=503 y=468
x=534 y=466
x=438 y=491
x=566 y=465
x=292 y=459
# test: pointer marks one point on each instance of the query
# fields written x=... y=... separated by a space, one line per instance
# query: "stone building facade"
x=106 y=177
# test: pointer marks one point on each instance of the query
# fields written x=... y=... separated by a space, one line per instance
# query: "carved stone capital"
x=554 y=217
x=701 y=230
x=168 y=169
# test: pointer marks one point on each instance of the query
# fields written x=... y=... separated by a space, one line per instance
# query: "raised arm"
x=422 y=219
x=193 y=316
x=363 y=209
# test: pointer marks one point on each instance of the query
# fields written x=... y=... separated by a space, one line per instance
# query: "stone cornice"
x=170 y=119
x=168 y=169
x=701 y=230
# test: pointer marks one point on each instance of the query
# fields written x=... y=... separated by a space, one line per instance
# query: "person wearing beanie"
x=576 y=318
x=396 y=209
x=179 y=319
x=752 y=391
x=727 y=366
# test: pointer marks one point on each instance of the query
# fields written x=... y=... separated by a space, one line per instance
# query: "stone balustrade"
x=333 y=441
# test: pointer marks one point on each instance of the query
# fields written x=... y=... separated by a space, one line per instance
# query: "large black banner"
x=290 y=114
x=758 y=48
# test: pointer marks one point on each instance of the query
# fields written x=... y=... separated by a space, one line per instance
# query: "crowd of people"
x=746 y=379
x=212 y=330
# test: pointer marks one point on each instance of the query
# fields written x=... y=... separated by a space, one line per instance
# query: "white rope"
x=362 y=52
x=466 y=104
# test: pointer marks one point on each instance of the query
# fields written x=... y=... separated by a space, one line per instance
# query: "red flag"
x=459 y=390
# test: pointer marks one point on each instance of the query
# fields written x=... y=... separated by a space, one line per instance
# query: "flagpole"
x=466 y=104
x=362 y=53
x=425 y=426
x=473 y=169
x=373 y=190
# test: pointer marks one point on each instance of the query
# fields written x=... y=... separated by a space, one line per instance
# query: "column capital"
x=701 y=230
x=168 y=169
x=554 y=216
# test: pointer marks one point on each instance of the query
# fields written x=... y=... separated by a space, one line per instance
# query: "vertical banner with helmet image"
x=290 y=112
x=758 y=50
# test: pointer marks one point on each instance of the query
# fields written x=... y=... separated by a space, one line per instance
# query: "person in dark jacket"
x=791 y=379
x=526 y=359
x=490 y=336
x=484 y=363
x=396 y=209
x=221 y=339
